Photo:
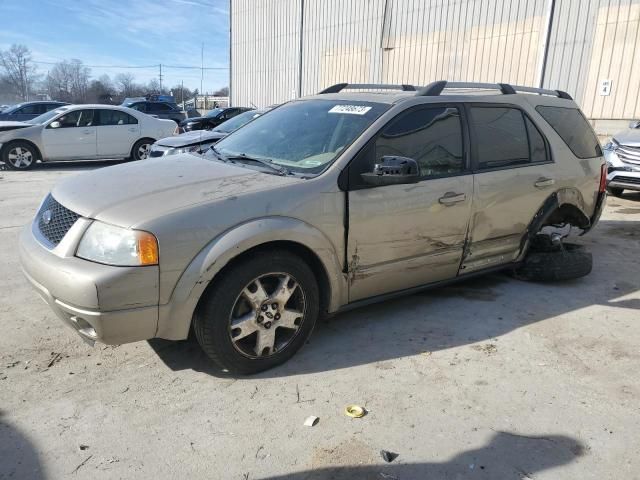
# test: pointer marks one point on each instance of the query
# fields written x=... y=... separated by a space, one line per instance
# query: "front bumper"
x=112 y=305
x=621 y=173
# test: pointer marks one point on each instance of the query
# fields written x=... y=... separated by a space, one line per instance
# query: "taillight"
x=603 y=178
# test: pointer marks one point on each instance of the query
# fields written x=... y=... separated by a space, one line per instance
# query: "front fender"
x=175 y=316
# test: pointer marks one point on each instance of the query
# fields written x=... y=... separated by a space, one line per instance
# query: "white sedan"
x=81 y=132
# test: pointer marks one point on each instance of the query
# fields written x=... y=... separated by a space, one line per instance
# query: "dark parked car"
x=198 y=141
x=166 y=110
x=212 y=119
x=28 y=110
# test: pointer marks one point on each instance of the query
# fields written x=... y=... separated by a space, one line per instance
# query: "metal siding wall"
x=593 y=40
x=265 y=44
x=418 y=41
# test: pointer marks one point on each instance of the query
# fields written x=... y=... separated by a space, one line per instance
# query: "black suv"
x=212 y=119
x=167 y=110
x=28 y=110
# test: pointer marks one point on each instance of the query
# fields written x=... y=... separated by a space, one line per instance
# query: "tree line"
x=71 y=81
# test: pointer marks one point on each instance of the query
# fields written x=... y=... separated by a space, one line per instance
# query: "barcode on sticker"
x=352 y=109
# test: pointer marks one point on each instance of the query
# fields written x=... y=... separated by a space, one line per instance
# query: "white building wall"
x=419 y=41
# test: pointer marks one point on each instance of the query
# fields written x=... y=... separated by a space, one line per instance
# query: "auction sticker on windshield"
x=352 y=109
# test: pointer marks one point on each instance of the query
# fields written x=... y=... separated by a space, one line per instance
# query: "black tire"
x=136 y=150
x=27 y=158
x=212 y=317
x=554 y=263
x=615 y=191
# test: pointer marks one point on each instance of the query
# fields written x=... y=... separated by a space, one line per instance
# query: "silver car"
x=81 y=132
x=623 y=160
x=325 y=203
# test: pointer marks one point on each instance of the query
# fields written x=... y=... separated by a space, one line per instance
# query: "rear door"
x=513 y=176
x=117 y=131
x=71 y=136
x=402 y=236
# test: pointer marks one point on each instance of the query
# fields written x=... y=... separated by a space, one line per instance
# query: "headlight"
x=123 y=247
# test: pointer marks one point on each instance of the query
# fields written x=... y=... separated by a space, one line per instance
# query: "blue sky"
x=129 y=33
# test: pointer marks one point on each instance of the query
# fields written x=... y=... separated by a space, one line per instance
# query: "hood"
x=130 y=194
x=630 y=136
x=191 y=138
x=10 y=125
x=193 y=120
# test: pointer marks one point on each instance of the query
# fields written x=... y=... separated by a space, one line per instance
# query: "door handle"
x=450 y=198
x=132 y=130
x=544 y=182
x=87 y=132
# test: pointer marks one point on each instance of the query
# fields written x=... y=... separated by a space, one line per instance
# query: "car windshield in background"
x=304 y=136
x=213 y=112
x=237 y=122
x=39 y=120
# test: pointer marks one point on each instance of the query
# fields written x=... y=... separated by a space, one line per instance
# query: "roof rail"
x=436 y=88
x=338 y=87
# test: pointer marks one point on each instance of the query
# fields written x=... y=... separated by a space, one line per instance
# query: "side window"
x=501 y=137
x=50 y=106
x=537 y=147
x=86 y=118
x=573 y=128
x=35 y=109
x=70 y=119
x=141 y=107
x=159 y=107
x=115 y=117
x=431 y=136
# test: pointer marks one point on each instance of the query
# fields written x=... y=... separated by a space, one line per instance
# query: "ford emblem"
x=46 y=217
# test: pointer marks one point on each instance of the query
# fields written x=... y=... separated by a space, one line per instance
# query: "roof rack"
x=435 y=88
x=338 y=87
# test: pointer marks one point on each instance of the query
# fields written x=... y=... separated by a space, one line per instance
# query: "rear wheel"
x=19 y=156
x=551 y=262
x=259 y=313
x=615 y=191
x=141 y=149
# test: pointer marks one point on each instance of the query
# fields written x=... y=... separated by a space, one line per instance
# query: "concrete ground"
x=489 y=379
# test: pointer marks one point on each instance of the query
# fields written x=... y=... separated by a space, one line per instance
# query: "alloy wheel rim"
x=143 y=151
x=20 y=157
x=267 y=315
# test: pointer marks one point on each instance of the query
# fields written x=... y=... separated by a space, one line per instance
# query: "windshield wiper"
x=262 y=161
x=217 y=154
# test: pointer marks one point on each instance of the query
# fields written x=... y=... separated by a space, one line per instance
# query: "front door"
x=402 y=236
x=71 y=136
x=514 y=175
x=117 y=132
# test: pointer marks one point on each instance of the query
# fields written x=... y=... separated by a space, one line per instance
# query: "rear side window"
x=116 y=117
x=573 y=128
x=158 y=107
x=504 y=137
x=430 y=136
x=35 y=109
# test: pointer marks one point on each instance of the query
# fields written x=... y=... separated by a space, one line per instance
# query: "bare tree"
x=18 y=70
x=69 y=81
x=223 y=92
x=126 y=84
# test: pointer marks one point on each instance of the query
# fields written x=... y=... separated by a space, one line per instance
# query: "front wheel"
x=19 y=156
x=141 y=149
x=259 y=313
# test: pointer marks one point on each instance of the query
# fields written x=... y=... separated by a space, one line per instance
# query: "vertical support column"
x=301 y=48
x=546 y=38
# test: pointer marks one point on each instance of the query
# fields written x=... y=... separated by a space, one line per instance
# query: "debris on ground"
x=388 y=456
x=388 y=476
x=311 y=421
x=82 y=446
x=56 y=358
x=75 y=470
x=426 y=354
x=487 y=348
x=355 y=411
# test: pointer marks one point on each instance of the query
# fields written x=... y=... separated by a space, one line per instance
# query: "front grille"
x=54 y=220
x=629 y=154
x=621 y=179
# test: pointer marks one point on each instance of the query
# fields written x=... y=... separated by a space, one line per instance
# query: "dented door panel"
x=402 y=236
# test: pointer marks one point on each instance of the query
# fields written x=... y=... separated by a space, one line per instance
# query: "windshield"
x=213 y=112
x=305 y=136
x=237 y=121
x=45 y=116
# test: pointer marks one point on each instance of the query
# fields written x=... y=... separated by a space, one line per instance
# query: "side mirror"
x=634 y=124
x=55 y=124
x=392 y=170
